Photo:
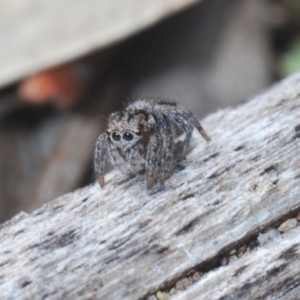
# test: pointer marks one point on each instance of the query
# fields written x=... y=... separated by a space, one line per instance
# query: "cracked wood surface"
x=119 y=242
x=270 y=272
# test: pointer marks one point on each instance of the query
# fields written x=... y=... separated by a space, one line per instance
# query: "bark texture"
x=121 y=242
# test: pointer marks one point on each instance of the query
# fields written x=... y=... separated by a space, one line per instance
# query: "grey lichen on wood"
x=120 y=242
x=35 y=35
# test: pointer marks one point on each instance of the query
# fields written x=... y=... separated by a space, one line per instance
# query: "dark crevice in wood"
x=287 y=285
x=239 y=271
x=239 y=148
x=25 y=283
x=268 y=170
x=297 y=128
x=216 y=175
x=119 y=243
x=211 y=156
x=19 y=232
x=4 y=263
x=188 y=227
x=289 y=253
x=58 y=241
x=187 y=197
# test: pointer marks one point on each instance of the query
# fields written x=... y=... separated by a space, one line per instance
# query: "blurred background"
x=65 y=65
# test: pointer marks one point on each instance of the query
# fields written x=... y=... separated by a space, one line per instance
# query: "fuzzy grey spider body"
x=142 y=138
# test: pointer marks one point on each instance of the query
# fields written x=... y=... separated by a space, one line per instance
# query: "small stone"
x=172 y=291
x=232 y=252
x=233 y=258
x=152 y=298
x=287 y=225
x=162 y=296
x=269 y=235
x=298 y=217
x=273 y=232
x=224 y=261
x=182 y=284
x=196 y=276
x=242 y=251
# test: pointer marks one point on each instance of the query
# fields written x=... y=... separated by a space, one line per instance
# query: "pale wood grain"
x=120 y=242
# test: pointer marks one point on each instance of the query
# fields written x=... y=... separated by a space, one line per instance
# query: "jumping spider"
x=142 y=138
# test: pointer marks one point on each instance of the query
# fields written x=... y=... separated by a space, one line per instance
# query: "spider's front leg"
x=153 y=159
x=200 y=128
x=99 y=158
x=167 y=162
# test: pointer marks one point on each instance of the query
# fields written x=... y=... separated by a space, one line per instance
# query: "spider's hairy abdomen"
x=142 y=138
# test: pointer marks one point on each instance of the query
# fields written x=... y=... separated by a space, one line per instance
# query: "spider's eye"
x=127 y=136
x=116 y=136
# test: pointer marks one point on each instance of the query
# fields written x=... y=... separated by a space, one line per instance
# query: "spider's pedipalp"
x=99 y=158
x=115 y=154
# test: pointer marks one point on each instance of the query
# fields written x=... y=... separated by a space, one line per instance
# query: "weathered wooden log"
x=121 y=242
